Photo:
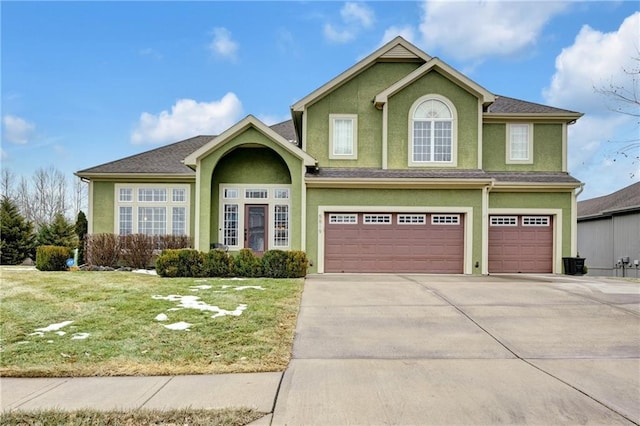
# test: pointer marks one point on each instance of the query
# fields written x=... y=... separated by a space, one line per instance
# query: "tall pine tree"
x=59 y=233
x=16 y=234
x=82 y=228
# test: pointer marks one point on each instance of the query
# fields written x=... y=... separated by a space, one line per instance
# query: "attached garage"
x=394 y=242
x=520 y=244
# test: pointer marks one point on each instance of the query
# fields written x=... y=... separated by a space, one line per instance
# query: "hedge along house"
x=399 y=164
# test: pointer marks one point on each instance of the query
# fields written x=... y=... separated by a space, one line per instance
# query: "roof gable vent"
x=399 y=52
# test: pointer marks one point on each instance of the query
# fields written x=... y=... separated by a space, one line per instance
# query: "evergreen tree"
x=59 y=233
x=82 y=227
x=16 y=234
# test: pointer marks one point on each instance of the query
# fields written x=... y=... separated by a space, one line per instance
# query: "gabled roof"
x=248 y=122
x=626 y=199
x=444 y=69
x=396 y=49
x=167 y=159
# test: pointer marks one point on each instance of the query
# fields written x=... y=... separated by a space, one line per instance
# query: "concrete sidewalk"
x=256 y=390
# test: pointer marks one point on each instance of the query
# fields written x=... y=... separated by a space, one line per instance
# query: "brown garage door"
x=520 y=244
x=394 y=242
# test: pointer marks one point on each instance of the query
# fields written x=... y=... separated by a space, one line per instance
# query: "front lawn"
x=126 y=323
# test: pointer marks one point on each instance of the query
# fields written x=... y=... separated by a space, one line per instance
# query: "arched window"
x=432 y=132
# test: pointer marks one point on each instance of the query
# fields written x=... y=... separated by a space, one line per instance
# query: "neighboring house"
x=399 y=164
x=609 y=230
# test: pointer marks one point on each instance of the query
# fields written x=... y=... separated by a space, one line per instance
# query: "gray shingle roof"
x=167 y=159
x=507 y=105
x=625 y=199
x=370 y=173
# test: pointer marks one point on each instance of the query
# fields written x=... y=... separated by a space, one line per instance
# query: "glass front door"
x=255 y=228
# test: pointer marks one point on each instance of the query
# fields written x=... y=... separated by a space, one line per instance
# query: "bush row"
x=218 y=263
x=134 y=251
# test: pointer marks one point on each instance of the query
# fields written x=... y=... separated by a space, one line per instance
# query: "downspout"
x=484 y=270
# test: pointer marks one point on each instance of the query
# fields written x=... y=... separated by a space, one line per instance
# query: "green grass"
x=226 y=417
x=118 y=310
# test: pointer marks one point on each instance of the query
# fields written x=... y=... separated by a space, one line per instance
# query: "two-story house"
x=399 y=164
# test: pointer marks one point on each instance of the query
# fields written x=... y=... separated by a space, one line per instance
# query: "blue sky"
x=84 y=83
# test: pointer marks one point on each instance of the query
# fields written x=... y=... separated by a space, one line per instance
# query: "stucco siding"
x=466 y=105
x=392 y=200
x=354 y=97
x=547 y=148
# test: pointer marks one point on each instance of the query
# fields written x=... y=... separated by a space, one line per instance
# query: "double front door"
x=255 y=227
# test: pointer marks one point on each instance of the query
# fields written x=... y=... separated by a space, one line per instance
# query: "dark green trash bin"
x=573 y=265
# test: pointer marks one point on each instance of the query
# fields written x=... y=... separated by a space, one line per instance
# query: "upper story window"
x=433 y=132
x=519 y=143
x=343 y=136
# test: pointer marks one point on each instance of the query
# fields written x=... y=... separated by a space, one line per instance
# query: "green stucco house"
x=399 y=164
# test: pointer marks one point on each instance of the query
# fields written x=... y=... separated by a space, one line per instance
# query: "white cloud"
x=357 y=13
x=222 y=44
x=594 y=60
x=188 y=118
x=355 y=17
x=17 y=130
x=336 y=36
x=474 y=30
x=597 y=141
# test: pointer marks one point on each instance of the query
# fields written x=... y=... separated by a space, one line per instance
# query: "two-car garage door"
x=394 y=242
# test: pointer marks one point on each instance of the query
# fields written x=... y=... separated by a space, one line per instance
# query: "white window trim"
x=343 y=219
x=168 y=205
x=454 y=133
x=449 y=219
x=538 y=221
x=374 y=219
x=354 y=151
x=510 y=221
x=242 y=201
x=408 y=219
x=529 y=159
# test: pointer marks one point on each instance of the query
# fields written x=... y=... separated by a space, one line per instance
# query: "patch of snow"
x=49 y=341
x=54 y=327
x=61 y=333
x=145 y=271
x=200 y=287
x=234 y=279
x=80 y=336
x=36 y=333
x=194 y=302
x=23 y=342
x=161 y=317
x=179 y=326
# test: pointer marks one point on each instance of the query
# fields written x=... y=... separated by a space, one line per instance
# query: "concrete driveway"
x=428 y=349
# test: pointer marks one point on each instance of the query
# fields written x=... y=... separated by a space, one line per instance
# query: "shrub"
x=103 y=249
x=180 y=263
x=167 y=263
x=274 y=264
x=297 y=264
x=52 y=258
x=217 y=263
x=136 y=250
x=246 y=264
x=81 y=229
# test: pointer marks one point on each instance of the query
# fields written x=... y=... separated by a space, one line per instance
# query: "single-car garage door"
x=394 y=242
x=520 y=244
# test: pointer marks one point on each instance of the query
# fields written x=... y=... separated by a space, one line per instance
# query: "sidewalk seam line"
x=156 y=392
